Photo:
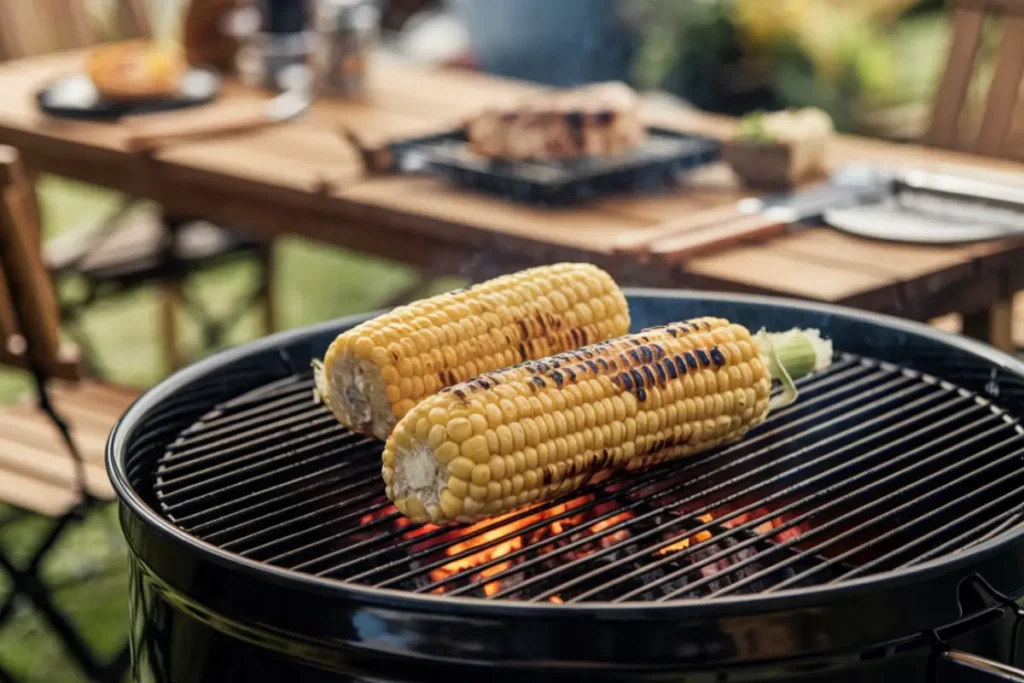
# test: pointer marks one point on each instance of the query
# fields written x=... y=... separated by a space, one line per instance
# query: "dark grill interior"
x=876 y=467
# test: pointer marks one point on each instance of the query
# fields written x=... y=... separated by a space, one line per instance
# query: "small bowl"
x=775 y=165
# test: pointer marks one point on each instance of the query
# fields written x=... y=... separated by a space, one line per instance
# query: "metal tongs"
x=923 y=206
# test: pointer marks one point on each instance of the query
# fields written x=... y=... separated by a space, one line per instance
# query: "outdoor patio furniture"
x=51 y=452
x=137 y=244
x=992 y=137
x=304 y=178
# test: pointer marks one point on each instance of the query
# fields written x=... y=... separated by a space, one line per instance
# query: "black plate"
x=656 y=164
x=75 y=97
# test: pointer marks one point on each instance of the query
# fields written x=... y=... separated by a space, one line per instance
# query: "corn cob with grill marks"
x=375 y=373
x=543 y=428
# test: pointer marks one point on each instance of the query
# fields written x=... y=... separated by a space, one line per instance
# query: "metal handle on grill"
x=963 y=667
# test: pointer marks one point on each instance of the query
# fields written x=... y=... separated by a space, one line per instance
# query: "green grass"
x=314 y=283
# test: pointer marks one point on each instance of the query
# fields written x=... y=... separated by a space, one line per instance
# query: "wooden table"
x=304 y=178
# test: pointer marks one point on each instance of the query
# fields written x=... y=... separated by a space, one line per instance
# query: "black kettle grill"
x=874 y=531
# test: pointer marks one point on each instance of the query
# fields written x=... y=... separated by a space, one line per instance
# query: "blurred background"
x=871 y=64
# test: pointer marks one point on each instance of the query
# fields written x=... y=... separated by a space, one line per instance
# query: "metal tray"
x=656 y=164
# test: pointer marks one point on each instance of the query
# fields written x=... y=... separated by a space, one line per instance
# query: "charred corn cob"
x=375 y=373
x=543 y=428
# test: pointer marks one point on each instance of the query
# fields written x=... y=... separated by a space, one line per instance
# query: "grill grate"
x=875 y=468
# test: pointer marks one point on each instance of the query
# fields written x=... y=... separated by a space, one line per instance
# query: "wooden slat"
x=113 y=397
x=31 y=493
x=36 y=471
x=9 y=47
x=762 y=268
x=640 y=242
x=92 y=408
x=235 y=160
x=1003 y=91
x=712 y=187
x=374 y=125
x=302 y=142
x=63 y=21
x=31 y=428
x=581 y=228
x=26 y=37
x=678 y=247
x=55 y=468
x=85 y=417
x=662 y=114
x=952 y=91
x=905 y=261
x=76 y=21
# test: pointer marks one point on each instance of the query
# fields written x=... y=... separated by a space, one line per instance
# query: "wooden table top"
x=304 y=178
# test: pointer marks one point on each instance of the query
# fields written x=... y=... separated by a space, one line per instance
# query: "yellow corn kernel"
x=672 y=393
x=415 y=351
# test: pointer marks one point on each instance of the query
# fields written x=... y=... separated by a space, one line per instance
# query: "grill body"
x=200 y=613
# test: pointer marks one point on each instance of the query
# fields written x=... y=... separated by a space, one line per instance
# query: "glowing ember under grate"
x=875 y=468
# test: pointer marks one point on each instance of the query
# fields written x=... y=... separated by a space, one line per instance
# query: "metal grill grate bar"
x=871 y=456
x=803 y=538
x=934 y=512
x=412 y=575
x=206 y=507
x=693 y=527
x=875 y=503
x=342 y=489
x=816 y=494
x=934 y=533
x=971 y=537
x=227 y=427
x=758 y=454
x=474 y=532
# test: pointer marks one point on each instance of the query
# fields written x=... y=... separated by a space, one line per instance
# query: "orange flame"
x=505 y=540
x=484 y=547
x=699 y=537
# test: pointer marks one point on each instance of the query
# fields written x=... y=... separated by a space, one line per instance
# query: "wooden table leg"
x=993 y=326
x=266 y=285
x=171 y=298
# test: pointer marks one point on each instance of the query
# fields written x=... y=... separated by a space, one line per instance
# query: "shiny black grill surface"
x=876 y=467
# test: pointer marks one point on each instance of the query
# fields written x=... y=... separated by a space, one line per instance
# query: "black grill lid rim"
x=964 y=562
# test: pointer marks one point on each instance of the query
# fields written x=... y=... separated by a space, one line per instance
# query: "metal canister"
x=347 y=31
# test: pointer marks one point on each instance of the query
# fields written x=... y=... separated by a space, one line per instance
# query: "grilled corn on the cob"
x=543 y=428
x=374 y=373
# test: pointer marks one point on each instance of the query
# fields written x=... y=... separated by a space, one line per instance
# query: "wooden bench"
x=39 y=468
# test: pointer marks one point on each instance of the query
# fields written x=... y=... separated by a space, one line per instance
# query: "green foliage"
x=844 y=58
x=684 y=47
x=752 y=129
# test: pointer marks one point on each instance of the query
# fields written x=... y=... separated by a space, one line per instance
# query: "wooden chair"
x=993 y=137
x=51 y=453
x=36 y=471
x=133 y=247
